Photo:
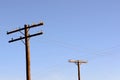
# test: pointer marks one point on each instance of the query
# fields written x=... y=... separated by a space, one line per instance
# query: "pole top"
x=76 y=61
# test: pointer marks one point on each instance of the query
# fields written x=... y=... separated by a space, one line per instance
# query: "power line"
x=74 y=47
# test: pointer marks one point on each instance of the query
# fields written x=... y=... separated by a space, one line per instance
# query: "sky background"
x=73 y=29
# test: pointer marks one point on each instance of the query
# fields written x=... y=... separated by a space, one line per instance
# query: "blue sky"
x=73 y=29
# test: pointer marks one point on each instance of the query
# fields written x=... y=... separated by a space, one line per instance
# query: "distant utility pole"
x=78 y=63
x=26 y=37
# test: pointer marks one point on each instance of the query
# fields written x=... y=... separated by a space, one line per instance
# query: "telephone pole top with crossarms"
x=26 y=36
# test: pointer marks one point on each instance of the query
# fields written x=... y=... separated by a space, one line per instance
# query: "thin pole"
x=78 y=64
x=27 y=47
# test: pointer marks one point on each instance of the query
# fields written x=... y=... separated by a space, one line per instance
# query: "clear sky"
x=73 y=29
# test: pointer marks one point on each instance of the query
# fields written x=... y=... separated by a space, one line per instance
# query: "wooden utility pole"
x=26 y=42
x=78 y=63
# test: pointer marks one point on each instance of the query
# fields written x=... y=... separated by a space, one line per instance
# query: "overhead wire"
x=74 y=47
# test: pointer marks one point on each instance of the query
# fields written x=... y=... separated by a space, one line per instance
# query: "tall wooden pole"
x=27 y=47
x=26 y=37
